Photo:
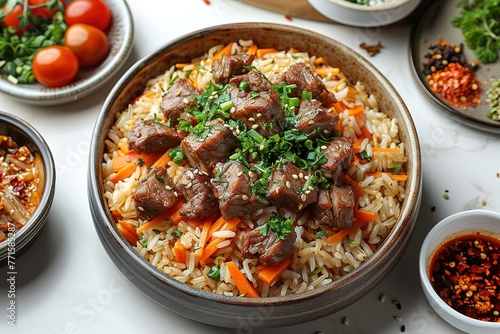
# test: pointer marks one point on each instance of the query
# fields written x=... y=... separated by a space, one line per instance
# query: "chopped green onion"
x=214 y=272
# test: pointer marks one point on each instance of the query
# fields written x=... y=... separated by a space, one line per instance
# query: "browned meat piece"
x=269 y=249
x=179 y=97
x=315 y=120
x=256 y=83
x=224 y=68
x=232 y=189
x=286 y=188
x=343 y=201
x=196 y=189
x=301 y=75
x=203 y=153
x=339 y=153
x=261 y=112
x=322 y=208
x=149 y=136
x=6 y=221
x=154 y=194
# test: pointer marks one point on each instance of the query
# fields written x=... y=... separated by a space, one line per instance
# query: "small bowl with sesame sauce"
x=459 y=268
x=27 y=182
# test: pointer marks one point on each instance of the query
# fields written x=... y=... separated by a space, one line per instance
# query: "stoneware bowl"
x=249 y=312
x=87 y=81
x=24 y=134
x=459 y=224
x=359 y=15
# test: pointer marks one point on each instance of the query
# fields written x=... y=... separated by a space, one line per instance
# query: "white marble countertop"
x=66 y=283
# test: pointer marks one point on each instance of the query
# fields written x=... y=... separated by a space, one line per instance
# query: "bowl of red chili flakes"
x=27 y=184
x=459 y=268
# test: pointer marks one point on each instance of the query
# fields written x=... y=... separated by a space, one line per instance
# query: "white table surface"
x=66 y=283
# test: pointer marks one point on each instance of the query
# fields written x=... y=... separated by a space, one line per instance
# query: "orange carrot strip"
x=182 y=65
x=149 y=159
x=210 y=248
x=203 y=236
x=122 y=160
x=161 y=217
x=179 y=252
x=244 y=286
x=356 y=111
x=270 y=273
x=116 y=215
x=131 y=238
x=395 y=177
x=176 y=218
x=252 y=49
x=366 y=133
x=124 y=148
x=336 y=87
x=386 y=149
x=129 y=227
x=124 y=173
x=345 y=232
x=163 y=160
x=365 y=215
x=226 y=52
x=358 y=191
x=357 y=144
x=320 y=61
x=324 y=71
x=262 y=52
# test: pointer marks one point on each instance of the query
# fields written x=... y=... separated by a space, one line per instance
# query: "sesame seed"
x=310 y=188
x=397 y=318
x=240 y=173
x=303 y=197
x=244 y=197
x=306 y=177
x=307 y=192
x=295 y=176
x=301 y=176
x=287 y=184
x=251 y=119
x=311 y=122
x=168 y=187
x=323 y=147
x=189 y=185
x=381 y=298
x=345 y=321
x=259 y=115
x=179 y=92
x=250 y=173
x=255 y=126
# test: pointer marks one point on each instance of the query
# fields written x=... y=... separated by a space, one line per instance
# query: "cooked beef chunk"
x=322 y=208
x=343 y=201
x=315 y=120
x=301 y=75
x=154 y=194
x=232 y=189
x=269 y=249
x=149 y=136
x=255 y=81
x=224 y=68
x=204 y=152
x=179 y=97
x=261 y=111
x=339 y=153
x=196 y=189
x=286 y=188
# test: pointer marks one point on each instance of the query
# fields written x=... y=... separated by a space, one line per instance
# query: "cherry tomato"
x=12 y=19
x=42 y=12
x=55 y=66
x=93 y=12
x=90 y=44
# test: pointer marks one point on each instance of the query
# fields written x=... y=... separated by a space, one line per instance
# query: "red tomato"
x=12 y=19
x=93 y=12
x=42 y=12
x=55 y=66
x=90 y=44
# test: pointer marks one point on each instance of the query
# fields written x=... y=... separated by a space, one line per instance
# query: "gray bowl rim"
x=95 y=192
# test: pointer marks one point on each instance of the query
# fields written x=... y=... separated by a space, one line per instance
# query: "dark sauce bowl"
x=251 y=313
x=25 y=134
x=458 y=225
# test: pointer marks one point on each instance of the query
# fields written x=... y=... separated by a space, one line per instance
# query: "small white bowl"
x=354 y=14
x=456 y=225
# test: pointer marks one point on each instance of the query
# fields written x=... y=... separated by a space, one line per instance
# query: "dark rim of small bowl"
x=402 y=229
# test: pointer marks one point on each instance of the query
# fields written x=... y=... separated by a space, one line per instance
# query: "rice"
x=316 y=261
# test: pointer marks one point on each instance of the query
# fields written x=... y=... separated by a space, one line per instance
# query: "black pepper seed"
x=433 y=209
x=403 y=328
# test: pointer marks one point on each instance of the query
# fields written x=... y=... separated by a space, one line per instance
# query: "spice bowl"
x=17 y=240
x=373 y=14
x=481 y=227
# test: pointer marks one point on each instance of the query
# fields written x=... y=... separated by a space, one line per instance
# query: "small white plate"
x=353 y=14
x=120 y=34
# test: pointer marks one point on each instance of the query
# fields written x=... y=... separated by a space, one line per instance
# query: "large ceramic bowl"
x=87 y=80
x=460 y=224
x=247 y=312
x=358 y=15
x=25 y=135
